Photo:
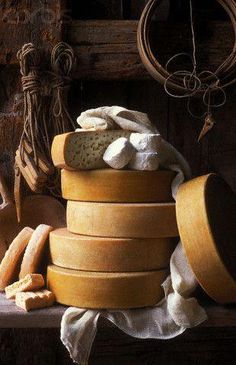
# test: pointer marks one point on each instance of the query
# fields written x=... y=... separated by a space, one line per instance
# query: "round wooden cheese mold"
x=154 y=220
x=123 y=186
x=73 y=251
x=206 y=211
x=106 y=290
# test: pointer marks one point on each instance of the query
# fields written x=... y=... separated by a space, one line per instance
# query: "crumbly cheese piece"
x=145 y=161
x=143 y=142
x=30 y=282
x=34 y=251
x=83 y=150
x=117 y=186
x=35 y=300
x=74 y=251
x=119 y=153
x=122 y=220
x=11 y=260
x=106 y=290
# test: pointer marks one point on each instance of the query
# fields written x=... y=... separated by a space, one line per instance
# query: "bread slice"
x=83 y=150
x=35 y=300
x=34 y=251
x=30 y=282
x=13 y=255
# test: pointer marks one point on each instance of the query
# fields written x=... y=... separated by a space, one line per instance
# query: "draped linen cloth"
x=179 y=310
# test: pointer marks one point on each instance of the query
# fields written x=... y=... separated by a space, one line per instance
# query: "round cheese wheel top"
x=106 y=290
x=74 y=251
x=206 y=215
x=124 y=186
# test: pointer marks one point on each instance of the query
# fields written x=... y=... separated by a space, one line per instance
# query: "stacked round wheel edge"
x=121 y=232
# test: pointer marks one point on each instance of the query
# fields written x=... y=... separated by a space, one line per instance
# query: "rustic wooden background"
x=103 y=34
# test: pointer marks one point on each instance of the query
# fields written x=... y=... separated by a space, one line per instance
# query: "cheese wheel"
x=73 y=251
x=122 y=220
x=206 y=211
x=106 y=290
x=117 y=186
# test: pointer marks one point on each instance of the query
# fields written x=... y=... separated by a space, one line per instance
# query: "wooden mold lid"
x=206 y=216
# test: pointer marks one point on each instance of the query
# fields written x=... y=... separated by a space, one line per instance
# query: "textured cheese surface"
x=143 y=142
x=34 y=251
x=73 y=251
x=28 y=283
x=12 y=258
x=35 y=300
x=144 y=161
x=123 y=186
x=83 y=150
x=119 y=153
x=122 y=220
x=106 y=290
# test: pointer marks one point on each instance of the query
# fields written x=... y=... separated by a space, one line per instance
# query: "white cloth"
x=174 y=314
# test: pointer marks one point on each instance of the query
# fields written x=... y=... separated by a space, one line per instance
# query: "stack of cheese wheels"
x=121 y=231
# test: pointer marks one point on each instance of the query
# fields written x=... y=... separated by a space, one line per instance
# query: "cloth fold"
x=178 y=310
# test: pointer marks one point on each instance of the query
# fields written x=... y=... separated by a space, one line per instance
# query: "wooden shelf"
x=14 y=317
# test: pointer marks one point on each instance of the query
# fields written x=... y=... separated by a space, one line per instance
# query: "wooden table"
x=214 y=342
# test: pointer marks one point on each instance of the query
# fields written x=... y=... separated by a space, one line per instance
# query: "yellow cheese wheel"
x=118 y=186
x=106 y=290
x=73 y=251
x=122 y=220
x=206 y=211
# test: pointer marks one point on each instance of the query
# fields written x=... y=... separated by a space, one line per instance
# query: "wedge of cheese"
x=155 y=220
x=83 y=150
x=73 y=251
x=125 y=186
x=106 y=290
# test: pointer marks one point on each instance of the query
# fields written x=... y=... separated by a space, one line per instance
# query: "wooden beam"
x=108 y=49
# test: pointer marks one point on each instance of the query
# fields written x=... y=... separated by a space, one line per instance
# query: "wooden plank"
x=108 y=49
x=14 y=317
x=97 y=9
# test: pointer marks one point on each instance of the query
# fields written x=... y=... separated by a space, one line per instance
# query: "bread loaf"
x=34 y=251
x=123 y=186
x=122 y=220
x=73 y=251
x=106 y=290
x=83 y=150
x=10 y=263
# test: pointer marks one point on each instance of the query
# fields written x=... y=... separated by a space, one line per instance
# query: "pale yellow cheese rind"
x=123 y=186
x=106 y=290
x=122 y=220
x=73 y=251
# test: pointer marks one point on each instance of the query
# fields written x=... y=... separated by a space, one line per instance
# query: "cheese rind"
x=30 y=282
x=35 y=300
x=73 y=251
x=143 y=142
x=123 y=186
x=11 y=260
x=122 y=220
x=83 y=150
x=34 y=251
x=144 y=161
x=106 y=290
x=119 y=153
